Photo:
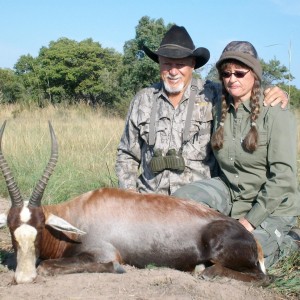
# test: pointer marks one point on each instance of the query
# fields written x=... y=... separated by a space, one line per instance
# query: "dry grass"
x=87 y=141
x=297 y=113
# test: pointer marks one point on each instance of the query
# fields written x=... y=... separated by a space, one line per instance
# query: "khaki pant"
x=272 y=233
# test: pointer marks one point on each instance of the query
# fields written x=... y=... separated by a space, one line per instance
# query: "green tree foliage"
x=138 y=70
x=275 y=73
x=73 y=71
x=294 y=94
x=27 y=69
x=11 y=88
x=68 y=71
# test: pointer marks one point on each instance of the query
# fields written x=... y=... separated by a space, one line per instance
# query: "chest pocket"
x=263 y=139
x=200 y=131
x=162 y=123
x=259 y=156
x=202 y=114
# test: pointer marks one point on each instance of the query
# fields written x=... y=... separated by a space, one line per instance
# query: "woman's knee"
x=210 y=192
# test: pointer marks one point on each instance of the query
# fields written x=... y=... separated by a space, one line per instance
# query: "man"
x=166 y=140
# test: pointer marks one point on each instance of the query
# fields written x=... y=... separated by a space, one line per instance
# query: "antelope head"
x=26 y=219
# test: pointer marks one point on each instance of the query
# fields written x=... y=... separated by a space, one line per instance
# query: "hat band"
x=174 y=46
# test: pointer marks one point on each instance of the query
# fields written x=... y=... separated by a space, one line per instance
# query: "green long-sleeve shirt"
x=264 y=182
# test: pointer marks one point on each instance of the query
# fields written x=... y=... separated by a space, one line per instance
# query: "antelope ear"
x=3 y=220
x=62 y=225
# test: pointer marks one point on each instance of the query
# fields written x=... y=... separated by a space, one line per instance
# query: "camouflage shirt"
x=135 y=153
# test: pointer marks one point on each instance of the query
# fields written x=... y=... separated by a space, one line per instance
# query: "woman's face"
x=238 y=81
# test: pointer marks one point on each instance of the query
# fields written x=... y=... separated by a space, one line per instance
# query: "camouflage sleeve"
x=129 y=150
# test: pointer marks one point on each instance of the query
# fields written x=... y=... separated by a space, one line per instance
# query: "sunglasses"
x=237 y=74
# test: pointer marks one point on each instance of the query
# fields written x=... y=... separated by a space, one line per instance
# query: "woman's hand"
x=246 y=224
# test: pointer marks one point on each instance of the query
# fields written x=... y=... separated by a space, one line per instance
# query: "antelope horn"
x=14 y=192
x=39 y=189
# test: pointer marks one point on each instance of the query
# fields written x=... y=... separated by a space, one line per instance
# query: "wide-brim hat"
x=177 y=43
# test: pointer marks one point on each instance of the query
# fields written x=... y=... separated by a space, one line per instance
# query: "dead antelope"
x=101 y=229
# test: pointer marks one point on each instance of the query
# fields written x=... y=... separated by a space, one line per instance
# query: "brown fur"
x=138 y=229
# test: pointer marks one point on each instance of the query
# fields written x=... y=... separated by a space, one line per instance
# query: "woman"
x=256 y=155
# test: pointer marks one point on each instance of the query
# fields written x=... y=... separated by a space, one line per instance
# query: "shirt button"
x=233 y=139
x=236 y=176
x=231 y=158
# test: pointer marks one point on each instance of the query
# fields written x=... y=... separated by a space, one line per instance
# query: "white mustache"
x=174 y=78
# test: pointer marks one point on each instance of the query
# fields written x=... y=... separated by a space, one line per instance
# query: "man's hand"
x=246 y=224
x=274 y=96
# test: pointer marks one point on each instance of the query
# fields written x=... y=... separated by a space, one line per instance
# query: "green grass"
x=287 y=274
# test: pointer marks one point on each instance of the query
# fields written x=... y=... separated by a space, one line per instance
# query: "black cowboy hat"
x=177 y=43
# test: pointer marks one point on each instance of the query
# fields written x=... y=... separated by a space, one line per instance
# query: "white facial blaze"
x=3 y=220
x=263 y=267
x=25 y=236
x=25 y=213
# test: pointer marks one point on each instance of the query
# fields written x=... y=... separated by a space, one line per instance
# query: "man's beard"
x=173 y=90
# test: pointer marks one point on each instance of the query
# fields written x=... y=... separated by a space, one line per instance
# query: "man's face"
x=176 y=73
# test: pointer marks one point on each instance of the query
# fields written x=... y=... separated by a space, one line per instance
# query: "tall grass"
x=297 y=113
x=287 y=276
x=87 y=140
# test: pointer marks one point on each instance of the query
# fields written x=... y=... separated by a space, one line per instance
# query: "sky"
x=272 y=26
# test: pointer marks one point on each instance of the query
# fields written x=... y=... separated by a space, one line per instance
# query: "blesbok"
x=101 y=229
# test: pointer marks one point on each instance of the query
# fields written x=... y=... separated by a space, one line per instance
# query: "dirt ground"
x=137 y=284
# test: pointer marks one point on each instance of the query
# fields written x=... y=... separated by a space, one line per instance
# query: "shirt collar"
x=245 y=104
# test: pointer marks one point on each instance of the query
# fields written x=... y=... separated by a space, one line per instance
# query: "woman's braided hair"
x=250 y=141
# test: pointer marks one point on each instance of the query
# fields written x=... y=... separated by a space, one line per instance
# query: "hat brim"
x=200 y=54
x=244 y=58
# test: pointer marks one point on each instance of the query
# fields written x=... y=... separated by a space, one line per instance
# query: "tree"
x=80 y=71
x=73 y=71
x=138 y=70
x=294 y=94
x=27 y=69
x=275 y=73
x=11 y=88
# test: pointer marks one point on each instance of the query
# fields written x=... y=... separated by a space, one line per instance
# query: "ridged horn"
x=14 y=192
x=39 y=189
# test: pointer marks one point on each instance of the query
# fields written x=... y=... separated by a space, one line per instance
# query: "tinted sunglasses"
x=237 y=74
